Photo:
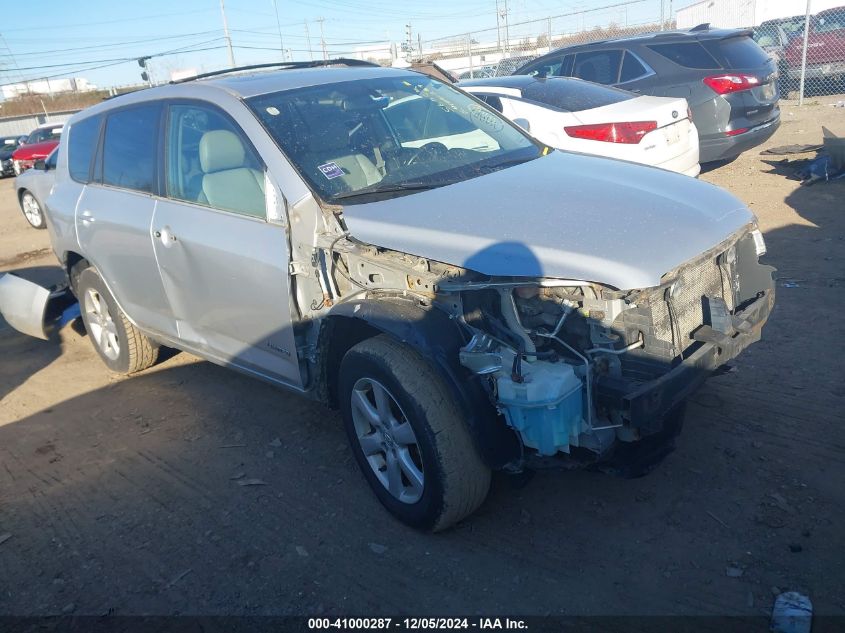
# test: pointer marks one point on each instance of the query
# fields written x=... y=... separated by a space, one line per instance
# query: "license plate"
x=672 y=134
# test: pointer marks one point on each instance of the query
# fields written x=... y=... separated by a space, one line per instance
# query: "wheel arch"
x=432 y=333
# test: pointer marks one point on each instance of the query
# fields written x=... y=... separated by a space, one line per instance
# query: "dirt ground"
x=122 y=495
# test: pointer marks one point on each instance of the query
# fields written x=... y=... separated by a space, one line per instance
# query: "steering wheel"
x=433 y=150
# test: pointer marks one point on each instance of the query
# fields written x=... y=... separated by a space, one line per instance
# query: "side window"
x=687 y=54
x=51 y=159
x=550 y=67
x=632 y=68
x=129 y=147
x=82 y=143
x=601 y=67
x=210 y=162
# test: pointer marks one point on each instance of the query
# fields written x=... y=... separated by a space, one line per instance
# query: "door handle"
x=86 y=218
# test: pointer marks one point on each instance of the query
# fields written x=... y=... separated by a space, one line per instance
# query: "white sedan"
x=581 y=116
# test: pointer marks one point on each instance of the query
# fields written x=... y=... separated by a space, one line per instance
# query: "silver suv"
x=380 y=241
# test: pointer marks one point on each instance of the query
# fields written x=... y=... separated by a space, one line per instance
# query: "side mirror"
x=523 y=123
x=40 y=165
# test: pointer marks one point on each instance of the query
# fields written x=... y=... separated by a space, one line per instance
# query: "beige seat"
x=331 y=145
x=228 y=182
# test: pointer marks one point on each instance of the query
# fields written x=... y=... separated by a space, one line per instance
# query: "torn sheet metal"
x=33 y=309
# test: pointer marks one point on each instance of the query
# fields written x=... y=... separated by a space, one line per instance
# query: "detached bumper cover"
x=646 y=405
x=33 y=309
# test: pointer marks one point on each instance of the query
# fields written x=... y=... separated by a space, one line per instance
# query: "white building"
x=742 y=13
x=47 y=87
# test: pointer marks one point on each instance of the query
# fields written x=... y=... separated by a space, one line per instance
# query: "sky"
x=101 y=39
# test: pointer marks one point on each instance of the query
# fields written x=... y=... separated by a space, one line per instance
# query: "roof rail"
x=340 y=61
x=701 y=27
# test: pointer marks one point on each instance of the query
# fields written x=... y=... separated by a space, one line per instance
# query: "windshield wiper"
x=391 y=188
x=504 y=163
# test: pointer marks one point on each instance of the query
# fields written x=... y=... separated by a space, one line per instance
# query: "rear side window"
x=601 y=67
x=129 y=147
x=573 y=96
x=686 y=54
x=82 y=142
x=738 y=52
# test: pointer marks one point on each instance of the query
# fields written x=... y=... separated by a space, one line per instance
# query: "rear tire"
x=442 y=478
x=32 y=211
x=121 y=346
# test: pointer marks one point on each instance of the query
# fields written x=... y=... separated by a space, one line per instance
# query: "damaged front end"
x=579 y=369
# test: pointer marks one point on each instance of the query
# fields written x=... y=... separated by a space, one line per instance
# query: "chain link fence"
x=808 y=47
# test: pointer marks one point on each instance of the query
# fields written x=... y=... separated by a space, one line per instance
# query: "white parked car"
x=581 y=116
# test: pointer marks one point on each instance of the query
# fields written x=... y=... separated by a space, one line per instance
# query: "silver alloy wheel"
x=101 y=326
x=31 y=209
x=387 y=440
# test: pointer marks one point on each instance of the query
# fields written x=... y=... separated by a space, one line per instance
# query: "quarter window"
x=82 y=142
x=632 y=68
x=602 y=67
x=209 y=162
x=129 y=147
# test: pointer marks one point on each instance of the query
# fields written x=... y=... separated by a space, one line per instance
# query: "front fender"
x=438 y=337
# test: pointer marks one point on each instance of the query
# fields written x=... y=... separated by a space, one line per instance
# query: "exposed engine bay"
x=560 y=358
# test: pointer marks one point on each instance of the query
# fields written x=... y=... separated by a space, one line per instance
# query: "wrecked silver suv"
x=470 y=299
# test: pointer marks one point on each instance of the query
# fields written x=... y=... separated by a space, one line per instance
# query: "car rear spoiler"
x=34 y=310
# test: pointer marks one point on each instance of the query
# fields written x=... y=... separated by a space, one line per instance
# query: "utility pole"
x=322 y=39
x=409 y=43
x=279 y=26
x=498 y=28
x=226 y=35
x=507 y=27
x=419 y=46
x=308 y=40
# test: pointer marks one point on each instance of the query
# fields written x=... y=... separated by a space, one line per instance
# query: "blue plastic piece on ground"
x=69 y=314
x=792 y=613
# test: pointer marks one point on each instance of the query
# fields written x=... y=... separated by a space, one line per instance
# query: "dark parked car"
x=729 y=82
x=8 y=144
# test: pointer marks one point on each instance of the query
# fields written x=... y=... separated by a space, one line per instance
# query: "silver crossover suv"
x=380 y=241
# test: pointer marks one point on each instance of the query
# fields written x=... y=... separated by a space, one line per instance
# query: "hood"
x=6 y=154
x=565 y=215
x=34 y=150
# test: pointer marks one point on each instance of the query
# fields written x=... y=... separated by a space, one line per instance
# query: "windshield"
x=360 y=140
x=44 y=134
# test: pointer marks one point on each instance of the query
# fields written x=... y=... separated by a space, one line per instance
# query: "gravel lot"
x=122 y=495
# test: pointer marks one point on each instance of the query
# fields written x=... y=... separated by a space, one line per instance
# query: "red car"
x=825 y=48
x=38 y=145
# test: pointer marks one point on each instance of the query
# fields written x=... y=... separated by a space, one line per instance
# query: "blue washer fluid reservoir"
x=547 y=408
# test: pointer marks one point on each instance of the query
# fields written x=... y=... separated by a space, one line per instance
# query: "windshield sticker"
x=330 y=170
x=485 y=119
x=273 y=111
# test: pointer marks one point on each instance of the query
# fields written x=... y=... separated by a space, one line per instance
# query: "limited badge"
x=330 y=170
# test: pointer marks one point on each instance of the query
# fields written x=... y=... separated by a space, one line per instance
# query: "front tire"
x=121 y=346
x=408 y=435
x=32 y=211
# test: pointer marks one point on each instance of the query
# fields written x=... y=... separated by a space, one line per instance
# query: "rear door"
x=115 y=211
x=224 y=266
